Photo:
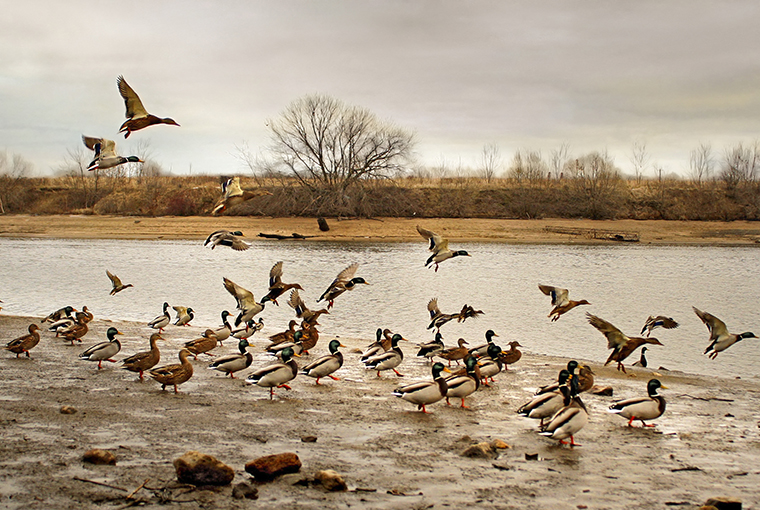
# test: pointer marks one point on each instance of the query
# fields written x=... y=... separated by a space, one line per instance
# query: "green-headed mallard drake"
x=511 y=355
x=174 y=375
x=720 y=338
x=572 y=366
x=642 y=359
x=621 y=345
x=569 y=420
x=137 y=116
x=343 y=282
x=431 y=349
x=296 y=345
x=482 y=349
x=105 y=154
x=642 y=408
x=117 y=286
x=426 y=392
x=302 y=311
x=658 y=322
x=560 y=301
x=59 y=314
x=26 y=342
x=246 y=302
x=462 y=386
x=227 y=238
x=276 y=287
x=104 y=351
x=232 y=363
x=233 y=194
x=380 y=345
x=440 y=248
x=455 y=353
x=276 y=374
x=248 y=330
x=224 y=332
x=490 y=364
x=162 y=320
x=184 y=315
x=388 y=360
x=202 y=345
x=285 y=336
x=145 y=360
x=326 y=365
x=544 y=405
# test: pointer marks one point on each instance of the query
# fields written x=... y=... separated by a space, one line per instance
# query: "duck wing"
x=560 y=297
x=615 y=338
x=275 y=275
x=114 y=279
x=134 y=107
x=716 y=326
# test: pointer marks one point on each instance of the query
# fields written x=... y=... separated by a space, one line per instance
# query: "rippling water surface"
x=624 y=283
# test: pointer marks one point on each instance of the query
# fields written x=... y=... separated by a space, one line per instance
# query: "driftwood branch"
x=279 y=237
x=708 y=399
x=100 y=483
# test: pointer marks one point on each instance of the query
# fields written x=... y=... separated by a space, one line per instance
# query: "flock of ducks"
x=558 y=406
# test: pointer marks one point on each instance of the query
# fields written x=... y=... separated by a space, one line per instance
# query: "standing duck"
x=511 y=356
x=276 y=287
x=642 y=359
x=296 y=345
x=174 y=375
x=26 y=342
x=326 y=365
x=248 y=331
x=246 y=302
x=203 y=344
x=276 y=374
x=232 y=363
x=560 y=300
x=225 y=331
x=117 y=286
x=388 y=360
x=59 y=314
x=184 y=315
x=104 y=351
x=226 y=238
x=302 y=311
x=621 y=345
x=454 y=353
x=642 y=408
x=380 y=345
x=144 y=360
x=658 y=322
x=162 y=320
x=482 y=349
x=545 y=405
x=462 y=386
x=440 y=248
x=569 y=420
x=137 y=116
x=285 y=336
x=105 y=154
x=431 y=349
x=491 y=364
x=75 y=332
x=343 y=282
x=720 y=338
x=572 y=366
x=426 y=392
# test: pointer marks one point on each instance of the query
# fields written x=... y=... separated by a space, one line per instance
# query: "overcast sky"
x=459 y=74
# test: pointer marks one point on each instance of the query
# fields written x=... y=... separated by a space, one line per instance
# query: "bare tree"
x=741 y=164
x=701 y=163
x=559 y=158
x=640 y=159
x=490 y=161
x=597 y=181
x=528 y=165
x=13 y=170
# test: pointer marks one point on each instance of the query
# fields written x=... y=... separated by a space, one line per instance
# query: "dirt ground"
x=707 y=443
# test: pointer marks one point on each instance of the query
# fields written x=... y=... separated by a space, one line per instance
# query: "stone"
x=198 y=468
x=498 y=444
x=605 y=391
x=244 y=490
x=308 y=439
x=724 y=503
x=99 y=457
x=480 y=451
x=68 y=410
x=331 y=480
x=271 y=466
x=323 y=226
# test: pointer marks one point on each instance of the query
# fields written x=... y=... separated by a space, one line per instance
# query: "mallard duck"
x=276 y=287
x=296 y=345
x=621 y=345
x=144 y=360
x=246 y=302
x=184 y=315
x=658 y=322
x=86 y=316
x=225 y=331
x=232 y=363
x=75 y=332
x=226 y=238
x=276 y=374
x=455 y=353
x=309 y=337
x=116 y=283
x=560 y=300
x=326 y=365
x=105 y=154
x=464 y=385
x=343 y=282
x=59 y=314
x=302 y=312
x=482 y=349
x=431 y=349
x=491 y=364
x=137 y=116
x=642 y=408
x=720 y=338
x=642 y=359
x=26 y=342
x=233 y=194
x=440 y=248
x=162 y=320
x=203 y=344
x=104 y=351
x=544 y=405
x=572 y=366
x=569 y=420
x=248 y=331
x=426 y=392
x=585 y=377
x=388 y=360
x=438 y=318
x=512 y=355
x=174 y=375
x=381 y=344
x=285 y=336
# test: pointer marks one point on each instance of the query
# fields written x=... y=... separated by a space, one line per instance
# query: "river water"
x=624 y=283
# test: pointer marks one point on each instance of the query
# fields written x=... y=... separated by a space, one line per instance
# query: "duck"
x=224 y=332
x=59 y=314
x=440 y=248
x=86 y=315
x=137 y=116
x=174 y=375
x=105 y=154
x=388 y=360
x=512 y=355
x=585 y=377
x=569 y=420
x=658 y=322
x=545 y=405
x=560 y=301
x=309 y=337
x=184 y=315
x=250 y=328
x=25 y=343
x=482 y=349
x=438 y=319
x=650 y=407
x=276 y=287
x=642 y=359
x=227 y=238
x=162 y=320
x=380 y=345
x=302 y=311
x=233 y=194
x=232 y=363
x=622 y=346
x=572 y=366
x=285 y=336
x=454 y=353
x=462 y=386
x=276 y=374
x=426 y=392
x=431 y=349
x=326 y=365
x=116 y=283
x=296 y=345
x=343 y=282
x=491 y=364
x=720 y=338
x=145 y=360
x=246 y=302
x=67 y=325
x=203 y=344
x=75 y=332
x=104 y=351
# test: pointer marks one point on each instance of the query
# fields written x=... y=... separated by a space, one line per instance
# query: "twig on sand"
x=100 y=483
x=707 y=399
x=687 y=468
x=132 y=494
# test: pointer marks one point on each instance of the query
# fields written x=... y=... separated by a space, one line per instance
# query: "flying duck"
x=246 y=303
x=116 y=283
x=343 y=282
x=658 y=322
x=440 y=248
x=621 y=345
x=720 y=338
x=560 y=300
x=276 y=287
x=226 y=238
x=137 y=116
x=105 y=154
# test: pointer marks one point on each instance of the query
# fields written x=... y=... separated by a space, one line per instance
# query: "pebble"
x=605 y=391
x=480 y=451
x=99 y=457
x=331 y=480
x=68 y=410
x=724 y=503
x=244 y=490
x=271 y=466
x=200 y=469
